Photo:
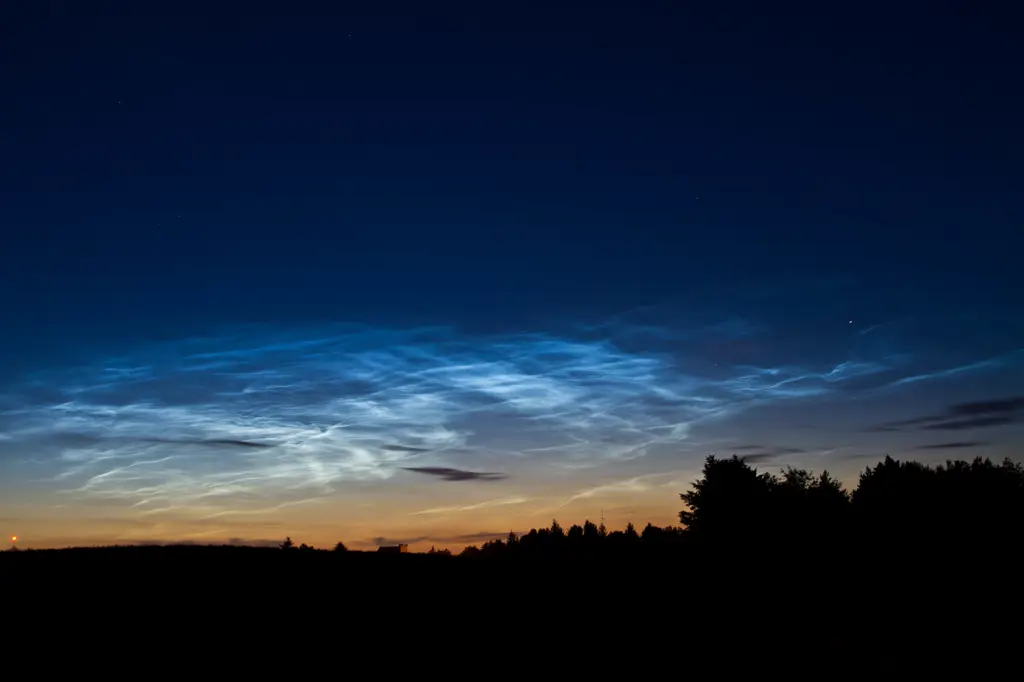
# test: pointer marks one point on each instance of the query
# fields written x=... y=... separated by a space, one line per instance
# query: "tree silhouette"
x=493 y=548
x=731 y=502
x=287 y=544
x=906 y=505
x=556 y=530
x=894 y=501
x=809 y=512
x=631 y=533
x=340 y=547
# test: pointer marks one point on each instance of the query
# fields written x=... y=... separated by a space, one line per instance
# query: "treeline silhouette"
x=904 y=507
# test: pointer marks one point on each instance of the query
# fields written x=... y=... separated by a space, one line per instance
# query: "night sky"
x=433 y=275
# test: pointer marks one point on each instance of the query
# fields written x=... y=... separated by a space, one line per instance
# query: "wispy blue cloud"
x=255 y=420
x=988 y=364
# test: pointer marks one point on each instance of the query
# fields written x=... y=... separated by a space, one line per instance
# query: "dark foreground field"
x=917 y=572
x=661 y=614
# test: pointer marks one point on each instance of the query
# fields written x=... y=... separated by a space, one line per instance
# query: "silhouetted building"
x=394 y=549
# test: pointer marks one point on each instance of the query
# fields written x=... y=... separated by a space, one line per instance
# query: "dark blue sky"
x=478 y=166
x=797 y=176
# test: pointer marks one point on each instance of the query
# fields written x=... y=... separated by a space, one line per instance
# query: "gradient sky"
x=436 y=275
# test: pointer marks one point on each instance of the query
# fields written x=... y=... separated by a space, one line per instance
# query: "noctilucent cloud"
x=434 y=429
x=430 y=279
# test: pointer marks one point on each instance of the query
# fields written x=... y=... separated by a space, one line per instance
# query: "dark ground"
x=249 y=609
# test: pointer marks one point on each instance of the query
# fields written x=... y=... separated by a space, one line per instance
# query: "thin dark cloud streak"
x=82 y=438
x=761 y=453
x=465 y=538
x=986 y=407
x=759 y=457
x=964 y=416
x=953 y=445
x=229 y=442
x=384 y=541
x=767 y=449
x=974 y=423
x=230 y=542
x=450 y=474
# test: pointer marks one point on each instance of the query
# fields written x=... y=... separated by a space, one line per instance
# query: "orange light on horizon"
x=14 y=538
